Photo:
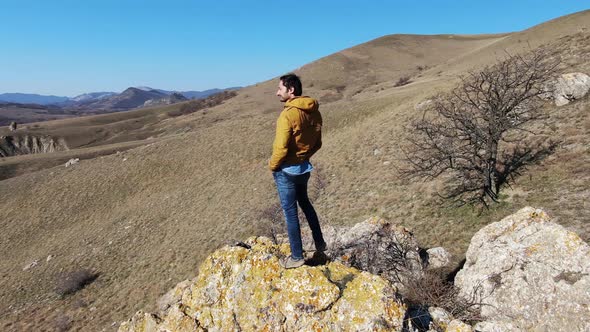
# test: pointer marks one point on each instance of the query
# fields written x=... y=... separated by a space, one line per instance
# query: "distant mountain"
x=206 y=93
x=92 y=102
x=189 y=94
x=128 y=99
x=92 y=96
x=147 y=88
x=28 y=98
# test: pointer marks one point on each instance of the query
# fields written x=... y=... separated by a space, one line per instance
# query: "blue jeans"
x=292 y=190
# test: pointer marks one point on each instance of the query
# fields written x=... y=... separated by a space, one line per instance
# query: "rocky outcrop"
x=171 y=99
x=380 y=247
x=526 y=273
x=529 y=274
x=28 y=144
x=570 y=87
x=374 y=245
x=243 y=288
x=126 y=100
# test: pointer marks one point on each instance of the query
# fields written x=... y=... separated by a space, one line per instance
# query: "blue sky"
x=69 y=47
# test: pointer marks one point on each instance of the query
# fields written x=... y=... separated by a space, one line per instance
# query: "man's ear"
x=291 y=90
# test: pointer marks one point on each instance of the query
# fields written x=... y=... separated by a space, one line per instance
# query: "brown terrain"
x=158 y=189
x=21 y=113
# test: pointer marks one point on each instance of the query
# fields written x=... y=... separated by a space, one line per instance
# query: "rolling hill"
x=155 y=193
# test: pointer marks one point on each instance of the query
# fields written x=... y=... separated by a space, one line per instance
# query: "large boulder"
x=528 y=273
x=243 y=288
x=569 y=87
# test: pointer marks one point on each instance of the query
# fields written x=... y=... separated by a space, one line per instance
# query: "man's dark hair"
x=292 y=81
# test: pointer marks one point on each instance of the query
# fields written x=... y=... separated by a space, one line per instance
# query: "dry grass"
x=149 y=215
x=434 y=290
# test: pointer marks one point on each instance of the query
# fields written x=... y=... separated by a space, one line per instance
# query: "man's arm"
x=281 y=142
x=317 y=145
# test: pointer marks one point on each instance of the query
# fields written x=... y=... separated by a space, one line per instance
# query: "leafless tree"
x=479 y=136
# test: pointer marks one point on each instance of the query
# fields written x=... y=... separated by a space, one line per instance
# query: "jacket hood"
x=303 y=103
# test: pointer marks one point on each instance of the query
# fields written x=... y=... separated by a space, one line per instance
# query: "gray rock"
x=374 y=245
x=440 y=317
x=458 y=326
x=529 y=272
x=488 y=326
x=173 y=296
x=438 y=258
x=72 y=161
x=423 y=104
x=31 y=265
x=569 y=87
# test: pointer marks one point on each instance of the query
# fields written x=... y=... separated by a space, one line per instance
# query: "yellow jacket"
x=299 y=133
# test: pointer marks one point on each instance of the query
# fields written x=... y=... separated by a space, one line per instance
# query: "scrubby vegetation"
x=199 y=104
x=479 y=136
x=404 y=80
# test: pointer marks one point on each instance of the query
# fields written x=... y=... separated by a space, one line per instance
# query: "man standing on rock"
x=298 y=137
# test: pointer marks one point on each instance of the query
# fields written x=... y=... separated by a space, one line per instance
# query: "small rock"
x=458 y=326
x=488 y=326
x=72 y=162
x=376 y=152
x=438 y=257
x=570 y=87
x=422 y=105
x=50 y=257
x=440 y=317
x=173 y=296
x=31 y=265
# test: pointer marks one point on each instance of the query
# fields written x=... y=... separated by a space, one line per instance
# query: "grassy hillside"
x=144 y=218
x=20 y=113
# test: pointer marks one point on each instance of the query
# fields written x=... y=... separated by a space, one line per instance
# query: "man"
x=298 y=137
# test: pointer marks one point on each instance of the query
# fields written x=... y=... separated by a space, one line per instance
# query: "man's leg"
x=287 y=195
x=309 y=211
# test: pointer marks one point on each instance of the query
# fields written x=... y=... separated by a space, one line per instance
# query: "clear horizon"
x=67 y=48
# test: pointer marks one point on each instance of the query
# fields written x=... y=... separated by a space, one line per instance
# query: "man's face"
x=283 y=93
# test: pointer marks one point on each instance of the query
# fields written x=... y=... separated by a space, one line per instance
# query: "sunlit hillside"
x=153 y=193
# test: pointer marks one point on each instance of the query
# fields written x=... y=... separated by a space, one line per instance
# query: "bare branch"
x=470 y=132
